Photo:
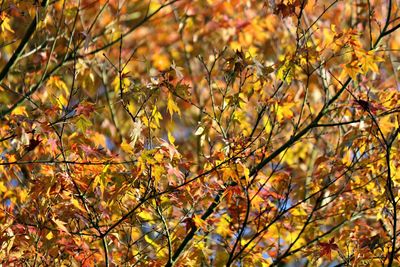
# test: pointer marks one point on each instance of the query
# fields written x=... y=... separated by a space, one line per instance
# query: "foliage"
x=199 y=133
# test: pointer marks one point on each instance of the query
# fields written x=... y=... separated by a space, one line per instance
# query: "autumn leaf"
x=189 y=224
x=77 y=205
x=199 y=131
x=83 y=123
x=282 y=129
x=85 y=109
x=368 y=60
x=199 y=222
x=33 y=143
x=352 y=69
x=327 y=248
x=60 y=225
x=171 y=106
x=223 y=228
x=136 y=132
x=178 y=70
x=122 y=82
x=287 y=8
x=5 y=23
x=21 y=110
x=174 y=172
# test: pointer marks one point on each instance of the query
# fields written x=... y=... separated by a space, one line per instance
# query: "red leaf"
x=287 y=9
x=368 y=106
x=85 y=109
x=190 y=224
x=33 y=143
x=326 y=248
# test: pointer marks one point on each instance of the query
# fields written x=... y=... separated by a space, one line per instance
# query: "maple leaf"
x=368 y=60
x=223 y=226
x=232 y=191
x=136 y=131
x=352 y=69
x=53 y=143
x=90 y=151
x=199 y=222
x=83 y=123
x=189 y=223
x=178 y=70
x=61 y=225
x=288 y=8
x=172 y=106
x=5 y=23
x=368 y=106
x=33 y=143
x=122 y=82
x=173 y=171
x=84 y=108
x=169 y=149
x=283 y=111
x=265 y=101
x=55 y=81
x=326 y=248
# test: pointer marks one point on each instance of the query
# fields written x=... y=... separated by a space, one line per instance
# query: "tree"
x=199 y=133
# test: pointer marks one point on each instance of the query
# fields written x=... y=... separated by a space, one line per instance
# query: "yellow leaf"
x=99 y=139
x=347 y=159
x=77 y=204
x=267 y=125
x=151 y=241
x=100 y=179
x=285 y=72
x=200 y=222
x=199 y=131
x=5 y=23
x=243 y=170
x=49 y=236
x=161 y=61
x=23 y=195
x=56 y=82
x=20 y=110
x=145 y=215
x=131 y=107
x=62 y=102
x=156 y=116
x=154 y=121
x=148 y=157
x=351 y=69
x=121 y=84
x=135 y=233
x=172 y=107
x=171 y=138
x=3 y=188
x=61 y=225
x=223 y=226
x=158 y=157
x=268 y=262
x=157 y=172
x=154 y=5
x=235 y=45
x=386 y=125
x=378 y=216
x=11 y=158
x=284 y=111
x=126 y=147
x=368 y=60
x=83 y=123
x=299 y=212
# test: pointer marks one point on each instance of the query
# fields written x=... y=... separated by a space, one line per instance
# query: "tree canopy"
x=199 y=133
